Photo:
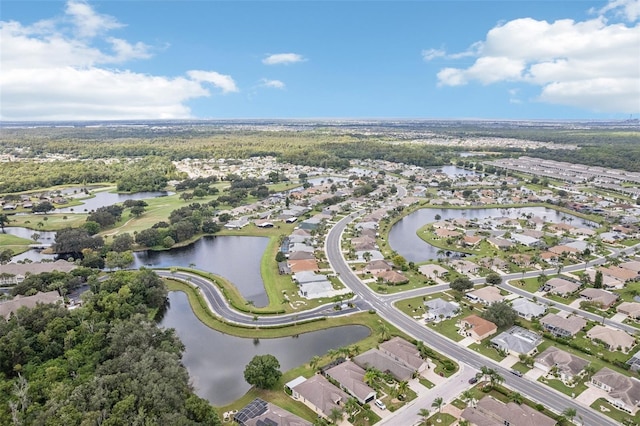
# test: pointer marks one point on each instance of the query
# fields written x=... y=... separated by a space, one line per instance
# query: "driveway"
x=590 y=395
x=509 y=361
x=534 y=374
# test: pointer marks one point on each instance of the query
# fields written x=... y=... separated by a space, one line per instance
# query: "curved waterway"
x=404 y=239
x=216 y=361
x=106 y=198
x=236 y=258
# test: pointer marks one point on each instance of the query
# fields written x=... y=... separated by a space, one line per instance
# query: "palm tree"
x=437 y=403
x=516 y=397
x=335 y=415
x=403 y=388
x=353 y=350
x=351 y=406
x=467 y=396
x=384 y=332
x=464 y=422
x=569 y=413
x=371 y=376
x=333 y=353
x=424 y=414
x=495 y=378
x=313 y=363
x=484 y=373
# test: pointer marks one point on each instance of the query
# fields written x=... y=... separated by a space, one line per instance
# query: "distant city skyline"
x=473 y=59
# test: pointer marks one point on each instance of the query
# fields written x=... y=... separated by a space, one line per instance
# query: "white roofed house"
x=517 y=341
x=485 y=295
x=432 y=270
x=528 y=309
x=438 y=309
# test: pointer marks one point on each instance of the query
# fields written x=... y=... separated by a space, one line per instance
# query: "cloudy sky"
x=517 y=59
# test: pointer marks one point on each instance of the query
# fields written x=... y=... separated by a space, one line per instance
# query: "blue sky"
x=512 y=59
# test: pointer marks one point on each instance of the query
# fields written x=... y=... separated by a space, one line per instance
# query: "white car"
x=380 y=404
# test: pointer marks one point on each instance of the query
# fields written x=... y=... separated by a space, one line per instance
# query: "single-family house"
x=566 y=365
x=465 y=266
x=560 y=286
x=440 y=309
x=632 y=265
x=10 y=306
x=613 y=339
x=619 y=273
x=527 y=309
x=405 y=353
x=375 y=358
x=604 y=299
x=350 y=376
x=560 y=249
x=622 y=391
x=562 y=327
x=376 y=267
x=630 y=309
x=477 y=328
x=392 y=277
x=500 y=243
x=433 y=271
x=471 y=240
x=301 y=265
x=300 y=255
x=634 y=362
x=319 y=394
x=14 y=273
x=259 y=413
x=491 y=412
x=517 y=341
x=525 y=240
x=485 y=295
x=608 y=281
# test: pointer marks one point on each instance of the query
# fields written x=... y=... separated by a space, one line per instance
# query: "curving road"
x=366 y=299
x=550 y=398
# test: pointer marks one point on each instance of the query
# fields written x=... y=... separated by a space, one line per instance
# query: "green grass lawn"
x=630 y=290
x=16 y=244
x=530 y=284
x=53 y=221
x=486 y=351
x=561 y=387
x=602 y=406
x=442 y=419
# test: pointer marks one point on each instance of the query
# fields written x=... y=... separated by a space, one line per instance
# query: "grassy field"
x=609 y=410
x=16 y=244
x=49 y=222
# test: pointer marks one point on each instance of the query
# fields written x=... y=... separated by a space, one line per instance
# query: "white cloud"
x=562 y=58
x=273 y=84
x=53 y=70
x=628 y=9
x=88 y=23
x=224 y=82
x=431 y=54
x=283 y=58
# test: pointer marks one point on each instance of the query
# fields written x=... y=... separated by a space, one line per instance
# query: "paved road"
x=383 y=304
x=220 y=306
x=534 y=390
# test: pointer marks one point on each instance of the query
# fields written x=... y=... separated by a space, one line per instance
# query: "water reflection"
x=216 y=361
x=236 y=258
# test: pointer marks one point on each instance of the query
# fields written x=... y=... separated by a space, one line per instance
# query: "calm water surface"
x=403 y=236
x=216 y=361
x=236 y=258
x=106 y=198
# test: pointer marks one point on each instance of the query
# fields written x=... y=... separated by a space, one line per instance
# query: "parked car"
x=473 y=380
x=380 y=404
x=517 y=373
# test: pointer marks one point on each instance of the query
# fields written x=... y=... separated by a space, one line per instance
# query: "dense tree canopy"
x=501 y=314
x=103 y=363
x=263 y=371
x=461 y=284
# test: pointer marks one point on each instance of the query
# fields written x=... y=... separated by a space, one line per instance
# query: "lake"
x=404 y=239
x=236 y=258
x=216 y=361
x=106 y=198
